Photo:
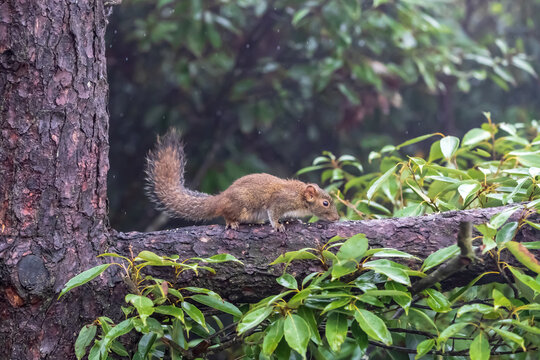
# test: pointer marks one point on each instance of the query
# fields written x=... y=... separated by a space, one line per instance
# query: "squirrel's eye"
x=325 y=203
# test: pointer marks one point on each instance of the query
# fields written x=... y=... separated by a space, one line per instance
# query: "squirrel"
x=252 y=198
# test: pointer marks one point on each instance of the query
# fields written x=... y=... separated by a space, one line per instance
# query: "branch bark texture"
x=257 y=245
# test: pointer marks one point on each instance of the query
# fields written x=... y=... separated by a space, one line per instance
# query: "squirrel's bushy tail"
x=165 y=181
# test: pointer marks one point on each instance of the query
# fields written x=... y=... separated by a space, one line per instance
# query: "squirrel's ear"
x=310 y=192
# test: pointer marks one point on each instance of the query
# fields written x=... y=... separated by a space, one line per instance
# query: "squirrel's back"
x=165 y=181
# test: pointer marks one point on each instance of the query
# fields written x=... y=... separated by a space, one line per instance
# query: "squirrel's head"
x=320 y=203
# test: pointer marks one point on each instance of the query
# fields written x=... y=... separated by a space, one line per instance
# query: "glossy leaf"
x=83 y=278
x=336 y=330
x=449 y=145
x=253 y=318
x=218 y=304
x=506 y=233
x=437 y=301
x=288 y=281
x=510 y=336
x=480 y=348
x=440 y=256
x=500 y=300
x=424 y=347
x=194 y=313
x=353 y=248
x=380 y=181
x=272 y=336
x=86 y=335
x=297 y=333
x=475 y=136
x=373 y=326
x=526 y=279
x=499 y=219
x=416 y=140
x=450 y=331
x=391 y=269
x=524 y=256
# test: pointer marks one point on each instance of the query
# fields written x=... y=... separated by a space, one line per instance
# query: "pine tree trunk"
x=53 y=168
x=53 y=211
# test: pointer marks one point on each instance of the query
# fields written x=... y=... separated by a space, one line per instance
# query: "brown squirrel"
x=251 y=199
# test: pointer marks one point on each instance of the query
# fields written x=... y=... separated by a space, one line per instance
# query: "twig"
x=464 y=241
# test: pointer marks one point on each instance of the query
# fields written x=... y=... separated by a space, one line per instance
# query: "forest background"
x=266 y=86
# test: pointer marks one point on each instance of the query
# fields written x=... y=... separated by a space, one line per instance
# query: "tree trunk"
x=53 y=168
x=53 y=215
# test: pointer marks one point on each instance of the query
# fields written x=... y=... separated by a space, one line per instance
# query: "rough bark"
x=53 y=166
x=256 y=246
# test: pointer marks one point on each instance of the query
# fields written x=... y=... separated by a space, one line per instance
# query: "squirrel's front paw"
x=233 y=225
x=280 y=227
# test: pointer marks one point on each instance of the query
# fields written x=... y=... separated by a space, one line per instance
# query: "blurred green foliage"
x=261 y=85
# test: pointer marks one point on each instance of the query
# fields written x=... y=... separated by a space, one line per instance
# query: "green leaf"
x=194 y=313
x=533 y=225
x=310 y=168
x=253 y=318
x=416 y=140
x=449 y=145
x=500 y=300
x=478 y=308
x=145 y=344
x=336 y=330
x=506 y=233
x=380 y=181
x=440 y=256
x=404 y=300
x=86 y=335
x=302 y=254
x=507 y=335
x=138 y=301
x=272 y=337
x=450 y=331
x=218 y=304
x=94 y=353
x=297 y=333
x=391 y=269
x=336 y=304
x=469 y=189
x=288 y=281
x=499 y=219
x=523 y=255
x=388 y=252
x=521 y=324
x=299 y=297
x=149 y=256
x=475 y=136
x=299 y=15
x=83 y=278
x=421 y=319
x=122 y=328
x=309 y=317
x=373 y=326
x=353 y=248
x=171 y=311
x=219 y=258
x=480 y=348
x=424 y=347
x=437 y=301
x=343 y=268
x=526 y=279
x=529 y=160
x=118 y=348
x=350 y=95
